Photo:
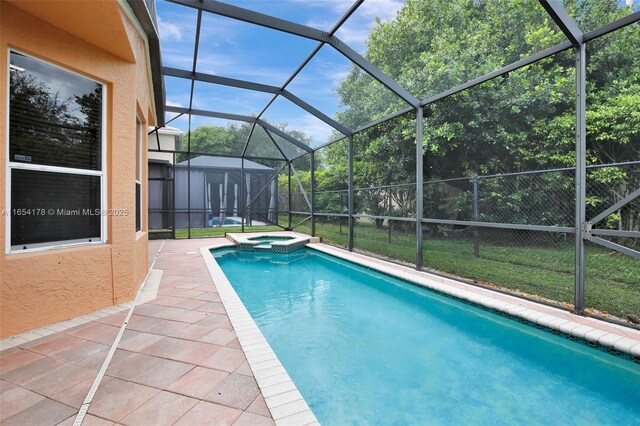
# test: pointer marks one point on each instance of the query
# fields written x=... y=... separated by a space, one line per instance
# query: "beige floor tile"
x=207 y=413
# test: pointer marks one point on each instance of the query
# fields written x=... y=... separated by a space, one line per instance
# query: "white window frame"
x=139 y=127
x=56 y=169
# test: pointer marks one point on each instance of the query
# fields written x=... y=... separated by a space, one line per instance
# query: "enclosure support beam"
x=256 y=18
x=476 y=216
x=562 y=19
x=493 y=74
x=617 y=206
x=350 y=194
x=246 y=145
x=246 y=157
x=314 y=52
x=264 y=188
x=617 y=247
x=289 y=192
x=173 y=200
x=276 y=145
x=256 y=87
x=188 y=180
x=373 y=71
x=581 y=171
x=419 y=186
x=302 y=191
x=212 y=114
x=312 y=192
x=283 y=135
x=237 y=117
x=242 y=196
x=612 y=26
x=216 y=79
x=315 y=112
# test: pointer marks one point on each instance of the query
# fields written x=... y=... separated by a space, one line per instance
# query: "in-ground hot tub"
x=265 y=242
x=276 y=242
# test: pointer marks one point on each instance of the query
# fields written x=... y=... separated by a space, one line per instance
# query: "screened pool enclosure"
x=496 y=142
x=204 y=192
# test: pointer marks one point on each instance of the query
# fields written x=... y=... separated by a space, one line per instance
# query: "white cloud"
x=383 y=9
x=170 y=102
x=181 y=122
x=335 y=5
x=319 y=81
x=219 y=98
x=356 y=30
x=225 y=64
x=169 y=30
x=321 y=24
x=312 y=127
x=355 y=36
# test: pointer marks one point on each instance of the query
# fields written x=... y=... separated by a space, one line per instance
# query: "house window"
x=138 y=175
x=56 y=163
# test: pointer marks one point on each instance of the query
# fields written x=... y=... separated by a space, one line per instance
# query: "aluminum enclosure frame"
x=575 y=39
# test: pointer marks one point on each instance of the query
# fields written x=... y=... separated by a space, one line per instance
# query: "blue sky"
x=235 y=49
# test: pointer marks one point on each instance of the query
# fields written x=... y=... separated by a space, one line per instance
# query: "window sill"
x=15 y=252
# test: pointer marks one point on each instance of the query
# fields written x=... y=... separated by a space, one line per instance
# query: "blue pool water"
x=215 y=221
x=365 y=348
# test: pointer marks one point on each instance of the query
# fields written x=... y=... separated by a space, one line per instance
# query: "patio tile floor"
x=178 y=361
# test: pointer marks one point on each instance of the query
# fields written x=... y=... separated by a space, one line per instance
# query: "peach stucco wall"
x=41 y=288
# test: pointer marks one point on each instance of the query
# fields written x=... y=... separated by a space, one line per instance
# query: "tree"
x=215 y=140
x=520 y=122
x=52 y=130
x=231 y=140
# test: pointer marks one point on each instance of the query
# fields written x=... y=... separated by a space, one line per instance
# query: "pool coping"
x=285 y=403
x=520 y=309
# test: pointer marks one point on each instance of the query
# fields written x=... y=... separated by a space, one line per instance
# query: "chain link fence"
x=512 y=231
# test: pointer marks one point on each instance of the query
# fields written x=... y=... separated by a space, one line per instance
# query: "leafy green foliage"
x=522 y=121
x=231 y=140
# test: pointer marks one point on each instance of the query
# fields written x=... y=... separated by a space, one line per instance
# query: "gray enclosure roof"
x=189 y=72
x=222 y=163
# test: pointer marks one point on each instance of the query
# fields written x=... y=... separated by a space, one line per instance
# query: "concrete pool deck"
x=180 y=359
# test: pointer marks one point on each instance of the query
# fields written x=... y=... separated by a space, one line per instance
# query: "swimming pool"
x=366 y=348
x=215 y=221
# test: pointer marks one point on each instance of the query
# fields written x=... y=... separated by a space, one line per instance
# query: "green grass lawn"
x=612 y=280
x=219 y=232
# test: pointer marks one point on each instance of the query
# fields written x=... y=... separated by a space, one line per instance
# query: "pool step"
x=222 y=252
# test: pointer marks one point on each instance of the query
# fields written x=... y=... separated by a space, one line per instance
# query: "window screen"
x=55 y=155
x=49 y=207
